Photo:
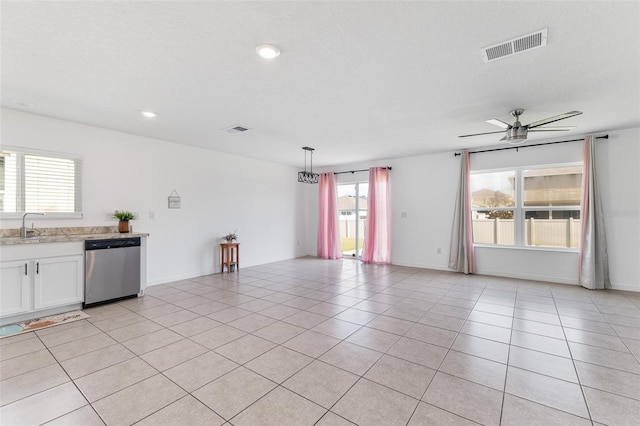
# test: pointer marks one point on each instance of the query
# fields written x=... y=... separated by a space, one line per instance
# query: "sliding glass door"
x=352 y=209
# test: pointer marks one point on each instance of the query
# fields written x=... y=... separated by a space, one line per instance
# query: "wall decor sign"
x=174 y=200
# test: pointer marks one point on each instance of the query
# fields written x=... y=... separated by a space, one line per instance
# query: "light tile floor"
x=311 y=341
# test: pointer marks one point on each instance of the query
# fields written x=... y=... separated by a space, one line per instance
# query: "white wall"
x=424 y=188
x=219 y=192
x=277 y=217
x=619 y=161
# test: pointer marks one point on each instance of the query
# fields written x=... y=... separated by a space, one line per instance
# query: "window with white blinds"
x=40 y=182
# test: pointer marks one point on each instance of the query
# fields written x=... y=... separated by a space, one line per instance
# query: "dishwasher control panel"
x=112 y=243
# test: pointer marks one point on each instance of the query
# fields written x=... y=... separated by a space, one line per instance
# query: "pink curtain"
x=328 y=227
x=593 y=257
x=461 y=255
x=377 y=237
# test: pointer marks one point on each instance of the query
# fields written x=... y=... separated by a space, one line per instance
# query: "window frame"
x=356 y=215
x=520 y=210
x=21 y=152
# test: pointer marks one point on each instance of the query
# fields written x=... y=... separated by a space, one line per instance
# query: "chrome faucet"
x=23 y=229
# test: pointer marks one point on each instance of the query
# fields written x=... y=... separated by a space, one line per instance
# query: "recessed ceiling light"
x=149 y=114
x=267 y=51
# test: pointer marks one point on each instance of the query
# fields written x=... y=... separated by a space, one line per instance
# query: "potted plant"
x=124 y=217
x=231 y=236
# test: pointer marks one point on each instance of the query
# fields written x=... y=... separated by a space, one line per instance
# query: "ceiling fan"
x=517 y=133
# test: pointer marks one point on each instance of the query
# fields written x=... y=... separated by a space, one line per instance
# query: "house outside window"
x=527 y=206
x=33 y=181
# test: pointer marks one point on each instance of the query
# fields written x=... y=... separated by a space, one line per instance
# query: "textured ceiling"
x=358 y=81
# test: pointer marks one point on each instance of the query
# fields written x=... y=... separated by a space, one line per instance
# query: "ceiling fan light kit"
x=517 y=133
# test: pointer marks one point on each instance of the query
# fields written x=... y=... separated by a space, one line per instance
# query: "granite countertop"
x=61 y=235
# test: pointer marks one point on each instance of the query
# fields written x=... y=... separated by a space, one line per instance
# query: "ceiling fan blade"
x=480 y=134
x=554 y=118
x=499 y=123
x=554 y=129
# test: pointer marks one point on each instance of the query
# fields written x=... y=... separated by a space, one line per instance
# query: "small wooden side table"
x=230 y=256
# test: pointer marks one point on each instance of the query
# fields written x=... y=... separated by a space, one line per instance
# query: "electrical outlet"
x=403 y=215
x=439 y=250
x=152 y=215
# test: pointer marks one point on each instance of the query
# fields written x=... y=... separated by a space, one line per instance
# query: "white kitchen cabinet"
x=58 y=281
x=39 y=277
x=15 y=294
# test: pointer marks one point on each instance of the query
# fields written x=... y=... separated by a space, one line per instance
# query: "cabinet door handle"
x=25 y=269
x=37 y=267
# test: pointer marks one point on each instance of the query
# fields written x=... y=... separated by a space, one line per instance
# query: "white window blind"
x=37 y=182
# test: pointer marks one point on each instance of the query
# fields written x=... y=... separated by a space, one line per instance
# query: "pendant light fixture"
x=308 y=176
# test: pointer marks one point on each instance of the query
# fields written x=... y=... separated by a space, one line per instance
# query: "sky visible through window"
x=350 y=189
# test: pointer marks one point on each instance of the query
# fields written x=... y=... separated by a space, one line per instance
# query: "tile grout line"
x=506 y=373
x=442 y=361
x=74 y=384
x=573 y=361
x=398 y=283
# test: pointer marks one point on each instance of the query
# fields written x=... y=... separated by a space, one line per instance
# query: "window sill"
x=528 y=248
x=49 y=216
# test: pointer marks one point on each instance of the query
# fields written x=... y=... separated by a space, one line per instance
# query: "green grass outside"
x=349 y=244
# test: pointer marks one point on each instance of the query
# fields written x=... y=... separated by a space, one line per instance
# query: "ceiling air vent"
x=515 y=46
x=236 y=129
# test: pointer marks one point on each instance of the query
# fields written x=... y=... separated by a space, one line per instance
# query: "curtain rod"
x=355 y=171
x=455 y=154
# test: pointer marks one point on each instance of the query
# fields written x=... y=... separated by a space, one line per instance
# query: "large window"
x=39 y=182
x=527 y=206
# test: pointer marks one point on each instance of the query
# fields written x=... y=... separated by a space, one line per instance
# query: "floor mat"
x=40 y=323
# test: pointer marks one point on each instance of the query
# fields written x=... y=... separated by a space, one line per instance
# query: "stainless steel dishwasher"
x=112 y=270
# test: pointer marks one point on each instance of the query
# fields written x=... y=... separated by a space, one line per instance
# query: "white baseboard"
x=530 y=277
x=420 y=265
x=624 y=287
x=179 y=277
